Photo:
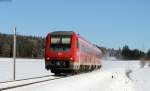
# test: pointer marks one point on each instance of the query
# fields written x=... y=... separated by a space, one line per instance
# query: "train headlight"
x=48 y=58
x=71 y=58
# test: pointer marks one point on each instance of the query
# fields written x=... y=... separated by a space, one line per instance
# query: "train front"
x=60 y=51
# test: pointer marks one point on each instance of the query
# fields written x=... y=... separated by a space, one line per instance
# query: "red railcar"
x=68 y=52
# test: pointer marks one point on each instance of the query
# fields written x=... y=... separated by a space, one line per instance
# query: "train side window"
x=77 y=43
x=46 y=38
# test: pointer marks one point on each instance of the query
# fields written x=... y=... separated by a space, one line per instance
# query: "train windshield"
x=60 y=43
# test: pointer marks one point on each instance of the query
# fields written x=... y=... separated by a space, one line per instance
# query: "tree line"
x=26 y=46
x=134 y=54
x=125 y=53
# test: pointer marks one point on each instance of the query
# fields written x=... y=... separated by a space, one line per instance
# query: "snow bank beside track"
x=108 y=80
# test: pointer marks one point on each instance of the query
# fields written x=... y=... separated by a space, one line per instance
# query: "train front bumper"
x=61 y=65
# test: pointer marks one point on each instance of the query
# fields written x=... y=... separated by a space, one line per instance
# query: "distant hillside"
x=27 y=46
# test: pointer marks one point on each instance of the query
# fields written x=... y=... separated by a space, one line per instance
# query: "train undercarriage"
x=66 y=67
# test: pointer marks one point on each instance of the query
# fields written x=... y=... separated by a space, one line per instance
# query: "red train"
x=68 y=52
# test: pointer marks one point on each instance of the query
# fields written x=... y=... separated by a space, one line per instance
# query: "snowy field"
x=114 y=76
x=25 y=68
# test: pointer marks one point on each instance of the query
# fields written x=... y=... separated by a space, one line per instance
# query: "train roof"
x=62 y=33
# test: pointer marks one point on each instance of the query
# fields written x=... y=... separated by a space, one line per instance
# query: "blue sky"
x=109 y=23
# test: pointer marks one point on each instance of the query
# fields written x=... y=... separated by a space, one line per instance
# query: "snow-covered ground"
x=114 y=76
x=140 y=77
x=25 y=68
x=94 y=81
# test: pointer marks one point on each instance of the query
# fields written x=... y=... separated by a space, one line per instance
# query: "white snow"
x=6 y=69
x=25 y=68
x=94 y=81
x=114 y=76
x=141 y=78
x=22 y=82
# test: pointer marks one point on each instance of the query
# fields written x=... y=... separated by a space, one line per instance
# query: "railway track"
x=26 y=79
x=26 y=82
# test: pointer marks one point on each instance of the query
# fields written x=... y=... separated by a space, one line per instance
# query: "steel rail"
x=27 y=84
